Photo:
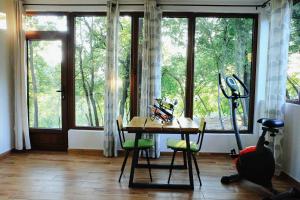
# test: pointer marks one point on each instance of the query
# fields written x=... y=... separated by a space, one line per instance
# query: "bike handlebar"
x=230 y=97
x=243 y=85
x=222 y=88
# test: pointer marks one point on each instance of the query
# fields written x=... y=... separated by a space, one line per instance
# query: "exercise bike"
x=254 y=163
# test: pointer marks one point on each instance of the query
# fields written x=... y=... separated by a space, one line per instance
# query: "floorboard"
x=57 y=175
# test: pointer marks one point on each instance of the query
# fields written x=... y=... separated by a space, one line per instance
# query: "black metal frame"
x=134 y=164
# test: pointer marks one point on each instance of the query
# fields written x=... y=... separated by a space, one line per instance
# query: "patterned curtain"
x=111 y=80
x=151 y=67
x=18 y=43
x=279 y=34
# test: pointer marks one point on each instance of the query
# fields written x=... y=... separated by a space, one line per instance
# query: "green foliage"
x=221 y=45
x=43 y=81
x=293 y=79
x=45 y=23
x=174 y=48
x=124 y=67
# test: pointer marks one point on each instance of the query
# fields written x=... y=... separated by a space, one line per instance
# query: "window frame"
x=189 y=90
x=51 y=138
x=288 y=100
x=134 y=94
x=133 y=68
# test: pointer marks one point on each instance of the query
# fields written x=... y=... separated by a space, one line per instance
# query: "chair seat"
x=180 y=145
x=143 y=144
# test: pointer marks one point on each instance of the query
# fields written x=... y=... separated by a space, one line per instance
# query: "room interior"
x=87 y=84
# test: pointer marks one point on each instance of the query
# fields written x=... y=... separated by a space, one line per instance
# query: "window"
x=90 y=51
x=293 y=72
x=46 y=59
x=3 y=25
x=174 y=58
x=44 y=79
x=124 y=67
x=195 y=47
x=49 y=22
x=222 y=45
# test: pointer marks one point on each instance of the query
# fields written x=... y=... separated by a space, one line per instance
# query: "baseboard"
x=284 y=175
x=170 y=153
x=5 y=154
x=98 y=152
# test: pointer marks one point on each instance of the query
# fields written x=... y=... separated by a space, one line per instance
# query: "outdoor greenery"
x=44 y=74
x=173 y=70
x=293 y=79
x=222 y=45
x=90 y=55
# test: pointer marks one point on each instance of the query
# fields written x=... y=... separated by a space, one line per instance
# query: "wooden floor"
x=52 y=175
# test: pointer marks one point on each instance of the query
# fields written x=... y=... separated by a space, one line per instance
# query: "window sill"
x=244 y=132
x=297 y=102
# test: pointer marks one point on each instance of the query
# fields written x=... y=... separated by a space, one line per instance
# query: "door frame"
x=44 y=138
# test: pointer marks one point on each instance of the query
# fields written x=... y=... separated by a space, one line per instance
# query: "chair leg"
x=171 y=167
x=148 y=162
x=197 y=168
x=123 y=165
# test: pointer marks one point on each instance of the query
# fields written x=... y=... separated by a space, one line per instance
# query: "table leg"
x=189 y=158
x=184 y=154
x=135 y=158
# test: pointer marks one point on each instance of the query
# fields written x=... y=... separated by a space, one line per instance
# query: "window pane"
x=90 y=51
x=45 y=23
x=293 y=73
x=44 y=78
x=140 y=62
x=124 y=67
x=221 y=45
x=174 y=48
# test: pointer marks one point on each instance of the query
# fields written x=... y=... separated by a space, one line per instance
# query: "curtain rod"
x=193 y=5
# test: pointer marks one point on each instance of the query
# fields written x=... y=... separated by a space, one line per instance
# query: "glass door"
x=46 y=92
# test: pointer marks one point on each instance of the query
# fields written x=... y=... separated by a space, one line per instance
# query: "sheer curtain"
x=151 y=67
x=279 y=33
x=111 y=80
x=18 y=60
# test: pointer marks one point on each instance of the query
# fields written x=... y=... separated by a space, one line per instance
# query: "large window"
x=293 y=73
x=173 y=70
x=46 y=23
x=90 y=51
x=44 y=79
x=222 y=45
x=195 y=48
x=124 y=67
x=45 y=65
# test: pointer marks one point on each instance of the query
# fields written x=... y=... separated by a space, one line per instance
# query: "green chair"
x=180 y=145
x=128 y=145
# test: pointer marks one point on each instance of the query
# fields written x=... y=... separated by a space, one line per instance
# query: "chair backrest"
x=120 y=130
x=202 y=127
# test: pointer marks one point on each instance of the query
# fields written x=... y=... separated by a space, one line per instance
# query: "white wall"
x=292 y=141
x=6 y=92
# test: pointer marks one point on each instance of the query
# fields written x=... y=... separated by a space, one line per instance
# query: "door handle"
x=62 y=93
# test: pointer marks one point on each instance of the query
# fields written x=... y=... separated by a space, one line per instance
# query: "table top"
x=146 y=124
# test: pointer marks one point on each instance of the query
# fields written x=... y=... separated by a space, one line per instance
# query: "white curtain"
x=279 y=33
x=18 y=44
x=111 y=80
x=151 y=67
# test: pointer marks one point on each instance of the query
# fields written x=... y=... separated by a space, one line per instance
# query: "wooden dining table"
x=183 y=126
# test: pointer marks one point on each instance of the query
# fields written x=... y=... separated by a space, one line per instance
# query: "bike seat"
x=271 y=123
